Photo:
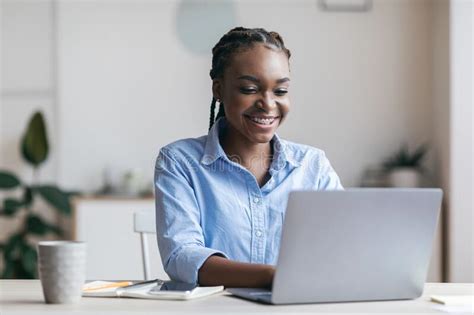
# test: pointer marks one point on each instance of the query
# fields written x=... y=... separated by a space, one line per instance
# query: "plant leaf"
x=16 y=265
x=19 y=271
x=419 y=154
x=56 y=230
x=9 y=256
x=11 y=246
x=403 y=158
x=8 y=270
x=8 y=180
x=28 y=260
x=56 y=197
x=34 y=145
x=27 y=196
x=10 y=206
x=36 y=225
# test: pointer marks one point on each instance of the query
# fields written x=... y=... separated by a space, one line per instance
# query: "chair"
x=144 y=224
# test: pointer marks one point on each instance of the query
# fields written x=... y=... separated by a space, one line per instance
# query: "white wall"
x=127 y=87
x=27 y=79
x=361 y=82
x=441 y=132
x=461 y=235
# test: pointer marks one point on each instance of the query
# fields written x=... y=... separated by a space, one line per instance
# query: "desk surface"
x=26 y=297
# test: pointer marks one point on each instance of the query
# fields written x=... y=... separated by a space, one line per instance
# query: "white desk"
x=26 y=297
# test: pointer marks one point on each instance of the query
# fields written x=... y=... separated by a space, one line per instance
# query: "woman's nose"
x=266 y=102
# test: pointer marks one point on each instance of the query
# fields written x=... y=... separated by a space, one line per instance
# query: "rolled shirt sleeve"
x=179 y=233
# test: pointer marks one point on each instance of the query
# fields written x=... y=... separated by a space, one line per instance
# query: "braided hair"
x=237 y=40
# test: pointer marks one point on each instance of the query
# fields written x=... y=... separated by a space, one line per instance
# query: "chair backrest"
x=144 y=223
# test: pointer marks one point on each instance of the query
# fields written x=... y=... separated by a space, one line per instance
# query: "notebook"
x=156 y=289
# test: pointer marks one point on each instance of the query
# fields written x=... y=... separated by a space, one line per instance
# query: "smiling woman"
x=221 y=198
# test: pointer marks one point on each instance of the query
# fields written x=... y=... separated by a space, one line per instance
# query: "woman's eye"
x=248 y=90
x=281 y=92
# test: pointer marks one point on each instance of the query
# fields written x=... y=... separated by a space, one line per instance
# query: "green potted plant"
x=404 y=167
x=18 y=250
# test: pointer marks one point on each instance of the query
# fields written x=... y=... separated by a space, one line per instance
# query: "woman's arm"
x=179 y=233
x=218 y=270
x=180 y=236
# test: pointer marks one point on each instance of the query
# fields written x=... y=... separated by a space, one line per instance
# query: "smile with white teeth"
x=262 y=121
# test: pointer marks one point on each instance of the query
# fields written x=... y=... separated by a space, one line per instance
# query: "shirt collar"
x=281 y=154
x=213 y=149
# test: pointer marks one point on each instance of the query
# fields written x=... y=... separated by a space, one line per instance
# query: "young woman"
x=221 y=198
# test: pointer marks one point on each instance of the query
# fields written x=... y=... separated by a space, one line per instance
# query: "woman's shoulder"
x=188 y=149
x=302 y=153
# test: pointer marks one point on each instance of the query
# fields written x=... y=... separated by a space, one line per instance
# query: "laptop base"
x=257 y=295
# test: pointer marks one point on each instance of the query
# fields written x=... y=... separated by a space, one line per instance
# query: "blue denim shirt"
x=207 y=204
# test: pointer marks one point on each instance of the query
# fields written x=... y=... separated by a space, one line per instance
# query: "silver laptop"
x=353 y=245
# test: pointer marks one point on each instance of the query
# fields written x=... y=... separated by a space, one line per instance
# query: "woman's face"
x=254 y=90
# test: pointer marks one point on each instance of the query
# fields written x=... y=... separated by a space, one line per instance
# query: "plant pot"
x=404 y=177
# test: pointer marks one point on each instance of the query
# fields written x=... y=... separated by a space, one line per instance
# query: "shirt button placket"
x=259 y=226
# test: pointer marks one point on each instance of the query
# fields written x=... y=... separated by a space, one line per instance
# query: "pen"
x=158 y=281
x=108 y=285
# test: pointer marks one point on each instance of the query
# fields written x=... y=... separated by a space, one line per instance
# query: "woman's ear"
x=216 y=89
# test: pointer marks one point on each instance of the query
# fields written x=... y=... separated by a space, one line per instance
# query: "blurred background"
x=383 y=86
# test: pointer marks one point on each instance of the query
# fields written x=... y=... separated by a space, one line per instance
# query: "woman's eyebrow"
x=254 y=79
x=249 y=78
x=283 y=80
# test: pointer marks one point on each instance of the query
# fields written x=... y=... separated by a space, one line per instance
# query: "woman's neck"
x=253 y=156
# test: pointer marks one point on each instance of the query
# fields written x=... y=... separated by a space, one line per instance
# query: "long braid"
x=221 y=112
x=236 y=40
x=211 y=117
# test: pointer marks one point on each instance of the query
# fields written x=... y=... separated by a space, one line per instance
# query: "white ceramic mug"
x=62 y=270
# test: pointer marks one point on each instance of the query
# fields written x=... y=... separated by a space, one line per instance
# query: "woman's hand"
x=218 y=270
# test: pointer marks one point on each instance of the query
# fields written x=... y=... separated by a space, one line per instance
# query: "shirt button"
x=256 y=200
x=258 y=233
